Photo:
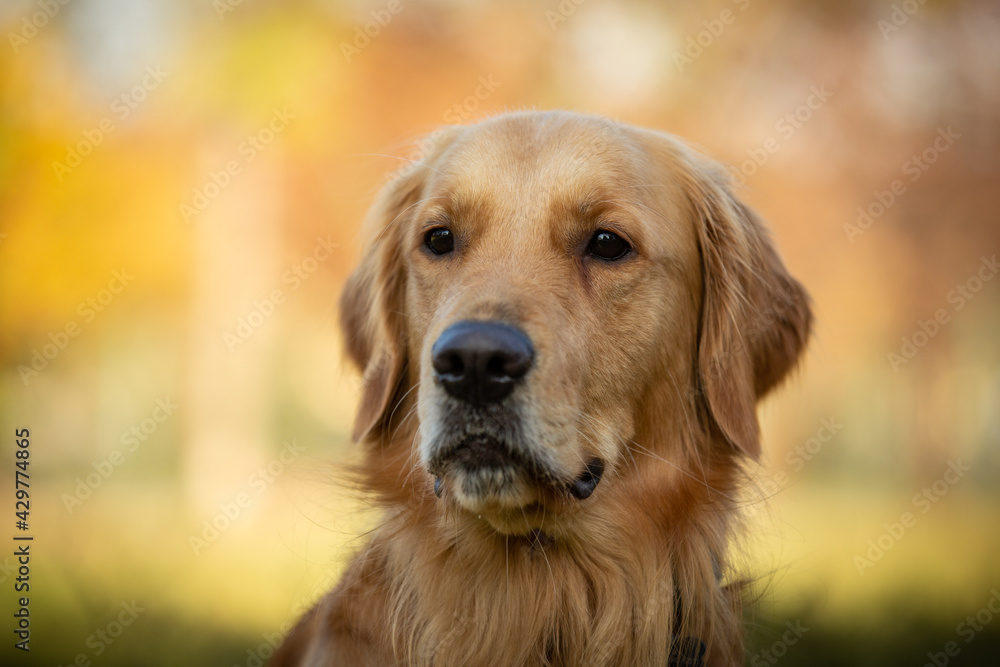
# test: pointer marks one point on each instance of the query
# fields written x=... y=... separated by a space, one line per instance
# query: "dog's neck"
x=616 y=582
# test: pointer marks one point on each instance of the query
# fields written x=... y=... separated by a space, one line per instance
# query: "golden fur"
x=653 y=364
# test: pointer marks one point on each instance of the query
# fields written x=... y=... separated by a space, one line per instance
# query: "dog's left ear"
x=755 y=318
x=373 y=304
x=370 y=312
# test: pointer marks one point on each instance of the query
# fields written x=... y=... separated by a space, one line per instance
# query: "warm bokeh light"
x=181 y=184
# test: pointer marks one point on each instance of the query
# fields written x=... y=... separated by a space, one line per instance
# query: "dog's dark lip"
x=480 y=451
x=474 y=452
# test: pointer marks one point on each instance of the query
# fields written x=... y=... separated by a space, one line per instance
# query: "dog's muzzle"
x=480 y=363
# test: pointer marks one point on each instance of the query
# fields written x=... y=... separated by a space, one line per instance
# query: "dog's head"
x=545 y=291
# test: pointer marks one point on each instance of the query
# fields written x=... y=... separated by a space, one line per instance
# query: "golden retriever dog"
x=564 y=324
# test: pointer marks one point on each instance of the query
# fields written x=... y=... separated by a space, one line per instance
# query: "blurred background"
x=180 y=190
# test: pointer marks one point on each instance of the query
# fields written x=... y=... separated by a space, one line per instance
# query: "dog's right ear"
x=755 y=319
x=373 y=304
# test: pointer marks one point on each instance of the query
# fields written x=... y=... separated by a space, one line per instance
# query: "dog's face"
x=540 y=292
x=551 y=288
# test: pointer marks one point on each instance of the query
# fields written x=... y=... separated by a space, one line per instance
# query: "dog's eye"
x=608 y=245
x=439 y=240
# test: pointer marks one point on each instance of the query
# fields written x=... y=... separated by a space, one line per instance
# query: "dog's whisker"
x=413 y=464
x=680 y=469
x=409 y=413
x=396 y=405
x=612 y=432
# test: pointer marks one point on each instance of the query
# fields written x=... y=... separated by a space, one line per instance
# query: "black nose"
x=480 y=362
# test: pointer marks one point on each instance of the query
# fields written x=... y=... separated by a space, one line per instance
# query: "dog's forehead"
x=536 y=158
